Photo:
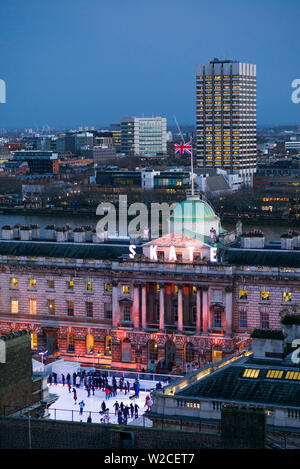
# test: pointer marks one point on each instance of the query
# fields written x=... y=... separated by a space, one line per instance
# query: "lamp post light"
x=42 y=354
x=98 y=356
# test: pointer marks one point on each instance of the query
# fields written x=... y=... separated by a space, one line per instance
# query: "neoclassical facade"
x=177 y=300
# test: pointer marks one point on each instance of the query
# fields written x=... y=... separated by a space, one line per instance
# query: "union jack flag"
x=183 y=148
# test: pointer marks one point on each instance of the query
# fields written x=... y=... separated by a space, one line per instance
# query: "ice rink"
x=65 y=408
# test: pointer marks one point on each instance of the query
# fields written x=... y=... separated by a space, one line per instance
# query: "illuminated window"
x=125 y=289
x=51 y=284
x=287 y=296
x=14 y=283
x=14 y=305
x=34 y=344
x=71 y=343
x=251 y=373
x=152 y=350
x=70 y=285
x=295 y=375
x=265 y=295
x=108 y=287
x=32 y=283
x=51 y=306
x=108 y=345
x=274 y=374
x=89 y=343
x=243 y=294
x=89 y=286
x=157 y=287
x=32 y=306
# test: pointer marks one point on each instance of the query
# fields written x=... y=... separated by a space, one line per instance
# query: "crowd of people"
x=94 y=381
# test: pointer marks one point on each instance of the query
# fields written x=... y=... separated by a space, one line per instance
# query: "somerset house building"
x=188 y=297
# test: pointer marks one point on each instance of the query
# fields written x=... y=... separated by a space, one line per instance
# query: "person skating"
x=120 y=418
x=89 y=419
x=103 y=408
x=136 y=411
x=132 y=410
x=63 y=379
x=116 y=406
x=81 y=405
x=69 y=386
x=148 y=403
x=68 y=378
x=126 y=413
x=74 y=395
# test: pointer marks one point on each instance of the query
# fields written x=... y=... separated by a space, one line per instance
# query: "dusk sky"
x=91 y=62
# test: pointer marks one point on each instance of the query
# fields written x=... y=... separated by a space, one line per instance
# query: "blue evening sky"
x=91 y=62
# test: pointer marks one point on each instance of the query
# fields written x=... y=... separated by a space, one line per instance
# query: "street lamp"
x=98 y=356
x=42 y=354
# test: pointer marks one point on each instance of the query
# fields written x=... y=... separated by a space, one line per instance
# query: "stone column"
x=179 y=311
x=198 y=310
x=228 y=310
x=161 y=306
x=144 y=306
x=115 y=304
x=204 y=309
x=136 y=306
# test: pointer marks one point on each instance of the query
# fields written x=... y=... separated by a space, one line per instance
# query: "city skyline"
x=90 y=63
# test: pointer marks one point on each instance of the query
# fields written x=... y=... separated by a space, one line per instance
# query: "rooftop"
x=249 y=380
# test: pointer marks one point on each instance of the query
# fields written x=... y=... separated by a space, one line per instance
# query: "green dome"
x=195 y=218
x=194 y=209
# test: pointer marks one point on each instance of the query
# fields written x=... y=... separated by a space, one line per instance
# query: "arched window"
x=189 y=352
x=89 y=343
x=108 y=345
x=170 y=352
x=126 y=351
x=152 y=350
x=71 y=343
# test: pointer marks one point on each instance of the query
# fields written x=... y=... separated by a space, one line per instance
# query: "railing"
x=98 y=417
x=147 y=380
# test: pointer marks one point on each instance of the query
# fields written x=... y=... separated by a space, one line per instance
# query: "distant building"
x=226 y=116
x=39 y=162
x=144 y=136
x=99 y=154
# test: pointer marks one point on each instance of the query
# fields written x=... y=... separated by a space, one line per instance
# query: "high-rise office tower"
x=144 y=135
x=226 y=117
